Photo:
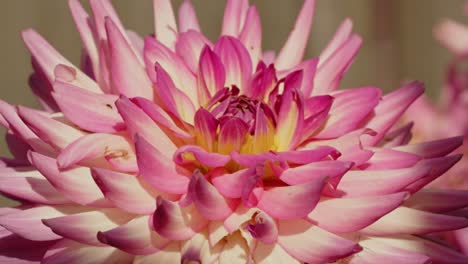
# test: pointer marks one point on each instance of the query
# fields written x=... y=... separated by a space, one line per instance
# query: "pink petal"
x=198 y=249
x=88 y=110
x=251 y=35
x=231 y=184
x=27 y=223
x=83 y=227
x=134 y=237
x=83 y=25
x=263 y=228
x=234 y=15
x=187 y=17
x=94 y=146
x=357 y=183
x=232 y=135
x=294 y=48
x=208 y=201
x=330 y=73
x=159 y=170
x=349 y=109
x=206 y=126
x=189 y=154
x=339 y=215
x=189 y=46
x=452 y=35
x=438 y=201
x=311 y=244
x=52 y=131
x=76 y=184
x=264 y=133
x=342 y=34
x=138 y=122
x=34 y=188
x=210 y=77
x=68 y=251
x=398 y=137
x=390 y=159
x=165 y=28
x=315 y=170
x=48 y=58
x=176 y=223
x=176 y=101
x=236 y=60
x=389 y=110
x=174 y=65
x=126 y=191
x=272 y=254
x=310 y=155
x=127 y=75
x=433 y=149
x=405 y=220
x=17 y=250
x=292 y=202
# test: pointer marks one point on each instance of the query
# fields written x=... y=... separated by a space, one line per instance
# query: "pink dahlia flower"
x=449 y=115
x=176 y=149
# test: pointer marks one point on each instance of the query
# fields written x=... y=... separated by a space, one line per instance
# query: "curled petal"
x=309 y=243
x=208 y=201
x=338 y=215
x=176 y=223
x=292 y=202
x=264 y=228
x=134 y=237
x=190 y=153
x=310 y=155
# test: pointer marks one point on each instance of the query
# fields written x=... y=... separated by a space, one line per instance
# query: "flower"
x=447 y=116
x=174 y=149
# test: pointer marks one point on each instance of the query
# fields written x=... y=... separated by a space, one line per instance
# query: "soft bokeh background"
x=398 y=42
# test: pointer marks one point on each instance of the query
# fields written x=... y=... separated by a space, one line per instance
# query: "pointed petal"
x=264 y=133
x=389 y=110
x=134 y=237
x=17 y=250
x=210 y=77
x=342 y=34
x=126 y=191
x=48 y=58
x=332 y=71
x=52 y=131
x=438 y=201
x=349 y=109
x=313 y=171
x=251 y=35
x=294 y=48
x=165 y=28
x=232 y=135
x=187 y=17
x=127 y=75
x=76 y=184
x=83 y=227
x=292 y=202
x=234 y=15
x=404 y=220
x=206 y=126
x=236 y=61
x=309 y=243
x=189 y=46
x=433 y=149
x=138 y=122
x=88 y=110
x=338 y=215
x=208 y=201
x=159 y=170
x=176 y=223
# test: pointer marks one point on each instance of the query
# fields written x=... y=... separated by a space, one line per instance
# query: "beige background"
x=398 y=41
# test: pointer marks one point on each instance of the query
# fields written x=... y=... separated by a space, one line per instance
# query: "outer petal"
x=234 y=15
x=312 y=171
x=208 y=201
x=311 y=244
x=17 y=250
x=339 y=215
x=176 y=223
x=438 y=201
x=251 y=35
x=88 y=110
x=83 y=227
x=165 y=28
x=272 y=254
x=404 y=220
x=158 y=170
x=292 y=202
x=342 y=34
x=294 y=48
x=127 y=75
x=433 y=149
x=76 y=184
x=68 y=251
x=134 y=237
x=189 y=46
x=187 y=17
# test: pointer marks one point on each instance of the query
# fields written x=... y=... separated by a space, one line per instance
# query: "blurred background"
x=398 y=40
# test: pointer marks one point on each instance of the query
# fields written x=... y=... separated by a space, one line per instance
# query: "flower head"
x=176 y=149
